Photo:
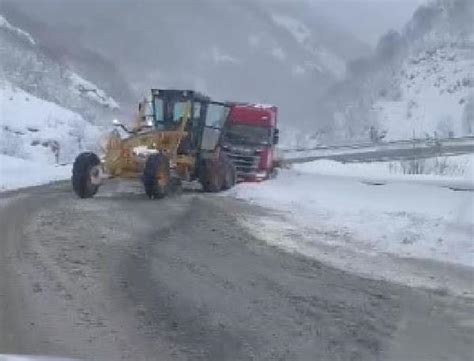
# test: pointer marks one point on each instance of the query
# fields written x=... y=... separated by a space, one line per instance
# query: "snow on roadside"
x=19 y=173
x=354 y=225
x=456 y=171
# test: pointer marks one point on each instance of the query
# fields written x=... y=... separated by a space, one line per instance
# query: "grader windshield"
x=168 y=113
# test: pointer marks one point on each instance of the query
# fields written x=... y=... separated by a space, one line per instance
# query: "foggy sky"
x=368 y=19
x=365 y=19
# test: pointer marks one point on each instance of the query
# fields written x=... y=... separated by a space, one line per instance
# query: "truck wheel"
x=273 y=174
x=211 y=177
x=230 y=173
x=156 y=176
x=86 y=175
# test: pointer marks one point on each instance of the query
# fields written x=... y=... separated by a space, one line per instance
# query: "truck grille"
x=246 y=165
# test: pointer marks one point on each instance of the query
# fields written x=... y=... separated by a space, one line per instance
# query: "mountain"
x=25 y=64
x=48 y=112
x=419 y=83
x=248 y=50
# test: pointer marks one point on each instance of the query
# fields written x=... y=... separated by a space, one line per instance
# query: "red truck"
x=250 y=137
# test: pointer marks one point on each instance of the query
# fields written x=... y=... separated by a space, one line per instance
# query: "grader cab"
x=175 y=137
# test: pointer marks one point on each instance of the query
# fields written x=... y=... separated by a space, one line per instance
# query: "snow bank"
x=354 y=224
x=18 y=173
x=442 y=169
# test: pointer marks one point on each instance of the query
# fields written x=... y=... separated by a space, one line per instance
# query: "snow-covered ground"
x=449 y=172
x=333 y=212
x=19 y=173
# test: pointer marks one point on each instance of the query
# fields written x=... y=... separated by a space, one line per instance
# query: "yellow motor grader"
x=176 y=136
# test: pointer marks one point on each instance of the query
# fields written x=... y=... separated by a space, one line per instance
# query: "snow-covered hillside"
x=25 y=64
x=46 y=110
x=34 y=129
x=436 y=90
x=419 y=82
x=6 y=26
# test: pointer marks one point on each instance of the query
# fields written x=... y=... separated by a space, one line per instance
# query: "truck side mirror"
x=276 y=136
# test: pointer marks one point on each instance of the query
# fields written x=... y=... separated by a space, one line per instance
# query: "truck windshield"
x=247 y=134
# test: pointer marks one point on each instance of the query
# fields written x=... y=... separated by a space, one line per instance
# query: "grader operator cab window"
x=179 y=110
x=158 y=111
x=216 y=115
x=168 y=112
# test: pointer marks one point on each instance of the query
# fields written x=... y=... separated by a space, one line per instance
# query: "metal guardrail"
x=386 y=151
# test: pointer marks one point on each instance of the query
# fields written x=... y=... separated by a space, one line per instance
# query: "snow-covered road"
x=359 y=218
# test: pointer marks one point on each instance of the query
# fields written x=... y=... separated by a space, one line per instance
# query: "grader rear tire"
x=211 y=177
x=85 y=169
x=218 y=175
x=156 y=176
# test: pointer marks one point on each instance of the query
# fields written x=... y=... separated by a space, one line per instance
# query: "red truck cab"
x=250 y=137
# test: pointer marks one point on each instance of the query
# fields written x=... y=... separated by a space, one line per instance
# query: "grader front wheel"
x=86 y=175
x=156 y=176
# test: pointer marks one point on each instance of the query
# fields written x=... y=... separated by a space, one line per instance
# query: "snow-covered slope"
x=25 y=64
x=85 y=88
x=34 y=129
x=435 y=87
x=38 y=129
x=419 y=82
x=6 y=26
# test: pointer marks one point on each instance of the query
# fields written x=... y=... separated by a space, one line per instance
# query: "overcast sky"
x=368 y=19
